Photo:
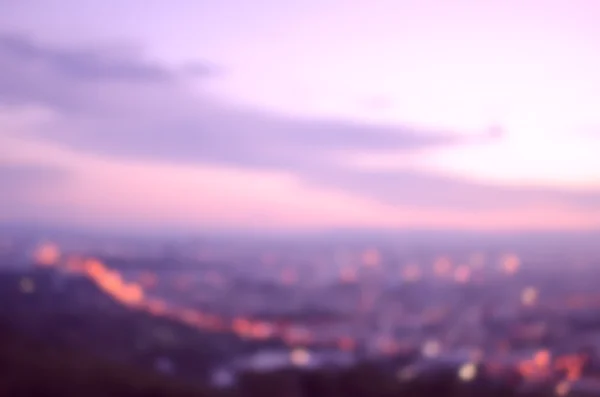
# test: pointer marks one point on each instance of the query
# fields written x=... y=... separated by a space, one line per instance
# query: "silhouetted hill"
x=34 y=369
x=74 y=313
x=75 y=341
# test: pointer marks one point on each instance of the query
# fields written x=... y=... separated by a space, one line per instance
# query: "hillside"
x=29 y=368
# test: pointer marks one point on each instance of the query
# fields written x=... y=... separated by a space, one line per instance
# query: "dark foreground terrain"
x=73 y=340
x=29 y=368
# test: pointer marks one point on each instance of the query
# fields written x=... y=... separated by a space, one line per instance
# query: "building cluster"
x=526 y=312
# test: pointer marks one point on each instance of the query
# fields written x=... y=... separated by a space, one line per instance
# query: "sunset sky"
x=297 y=115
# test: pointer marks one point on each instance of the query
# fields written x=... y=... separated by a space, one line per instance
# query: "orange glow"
x=242 y=326
x=541 y=366
x=156 y=306
x=510 y=263
x=261 y=330
x=47 y=254
x=529 y=296
x=530 y=370
x=542 y=358
x=132 y=294
x=571 y=365
x=537 y=367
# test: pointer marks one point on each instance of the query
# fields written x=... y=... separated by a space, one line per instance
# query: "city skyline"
x=300 y=115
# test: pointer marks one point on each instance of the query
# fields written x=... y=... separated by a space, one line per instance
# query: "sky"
x=300 y=115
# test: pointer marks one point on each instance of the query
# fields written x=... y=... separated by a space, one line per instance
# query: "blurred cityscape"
x=290 y=198
x=524 y=312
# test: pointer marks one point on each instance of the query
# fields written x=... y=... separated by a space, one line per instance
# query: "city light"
x=529 y=296
x=47 y=254
x=467 y=372
x=449 y=323
x=300 y=357
x=510 y=263
x=563 y=388
x=462 y=274
x=431 y=348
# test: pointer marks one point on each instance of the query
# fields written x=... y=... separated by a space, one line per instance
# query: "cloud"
x=202 y=69
x=77 y=80
x=422 y=189
x=82 y=65
x=115 y=114
x=125 y=106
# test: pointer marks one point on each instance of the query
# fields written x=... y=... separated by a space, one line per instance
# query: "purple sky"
x=292 y=115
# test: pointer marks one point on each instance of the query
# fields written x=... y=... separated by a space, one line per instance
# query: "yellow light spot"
x=467 y=372
x=299 y=357
x=529 y=296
